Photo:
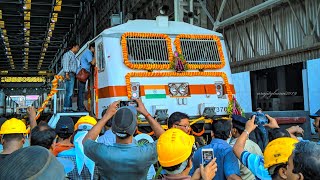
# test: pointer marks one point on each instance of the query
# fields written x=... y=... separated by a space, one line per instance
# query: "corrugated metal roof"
x=281 y=25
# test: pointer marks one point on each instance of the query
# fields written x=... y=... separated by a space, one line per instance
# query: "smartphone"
x=23 y=110
x=128 y=103
x=207 y=155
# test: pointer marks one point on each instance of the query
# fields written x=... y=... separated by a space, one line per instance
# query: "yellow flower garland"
x=145 y=35
x=202 y=66
x=175 y=74
x=53 y=91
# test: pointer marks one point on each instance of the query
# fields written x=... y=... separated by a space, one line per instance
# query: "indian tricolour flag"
x=155 y=91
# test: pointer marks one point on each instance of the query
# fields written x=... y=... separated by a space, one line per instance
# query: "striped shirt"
x=69 y=62
x=255 y=164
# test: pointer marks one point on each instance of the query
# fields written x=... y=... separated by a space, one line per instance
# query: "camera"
x=261 y=118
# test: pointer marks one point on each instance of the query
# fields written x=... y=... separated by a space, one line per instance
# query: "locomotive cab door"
x=97 y=70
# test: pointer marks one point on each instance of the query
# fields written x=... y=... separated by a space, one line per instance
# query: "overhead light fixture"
x=2 y=24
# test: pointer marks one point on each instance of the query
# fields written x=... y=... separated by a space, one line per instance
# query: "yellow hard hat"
x=85 y=120
x=278 y=151
x=13 y=126
x=174 y=147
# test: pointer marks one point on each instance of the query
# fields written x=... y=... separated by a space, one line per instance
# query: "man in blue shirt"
x=228 y=167
x=87 y=59
x=274 y=162
x=123 y=160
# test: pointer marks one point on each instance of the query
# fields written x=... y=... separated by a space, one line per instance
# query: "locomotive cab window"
x=200 y=51
x=147 y=51
x=100 y=58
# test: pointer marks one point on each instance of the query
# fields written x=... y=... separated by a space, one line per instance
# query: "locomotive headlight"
x=183 y=89
x=135 y=90
x=173 y=90
x=179 y=89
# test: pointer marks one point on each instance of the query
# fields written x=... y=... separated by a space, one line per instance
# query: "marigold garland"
x=178 y=74
x=53 y=91
x=145 y=35
x=207 y=37
x=96 y=89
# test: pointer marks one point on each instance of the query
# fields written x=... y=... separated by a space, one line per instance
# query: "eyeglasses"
x=185 y=126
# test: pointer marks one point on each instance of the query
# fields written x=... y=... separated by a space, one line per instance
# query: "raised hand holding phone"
x=207 y=156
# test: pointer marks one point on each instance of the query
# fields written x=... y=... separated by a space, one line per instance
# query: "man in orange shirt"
x=64 y=130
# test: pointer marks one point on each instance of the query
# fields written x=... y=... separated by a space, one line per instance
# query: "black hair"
x=240 y=130
x=42 y=135
x=306 y=159
x=275 y=173
x=277 y=133
x=64 y=135
x=221 y=129
x=92 y=45
x=124 y=137
x=12 y=137
x=176 y=118
x=73 y=44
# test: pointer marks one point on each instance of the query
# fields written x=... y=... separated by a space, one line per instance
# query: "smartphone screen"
x=128 y=103
x=23 y=110
x=207 y=156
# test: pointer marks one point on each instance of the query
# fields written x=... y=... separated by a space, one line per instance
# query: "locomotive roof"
x=152 y=26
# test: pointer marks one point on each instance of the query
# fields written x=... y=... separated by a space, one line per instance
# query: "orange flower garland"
x=176 y=74
x=53 y=91
x=145 y=35
x=96 y=88
x=207 y=37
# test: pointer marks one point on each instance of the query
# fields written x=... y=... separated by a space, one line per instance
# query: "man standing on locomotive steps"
x=87 y=59
x=69 y=67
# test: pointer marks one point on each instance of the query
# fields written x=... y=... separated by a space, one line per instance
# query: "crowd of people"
x=77 y=149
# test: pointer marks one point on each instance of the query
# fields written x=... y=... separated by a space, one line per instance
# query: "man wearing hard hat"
x=175 y=152
x=12 y=132
x=273 y=163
